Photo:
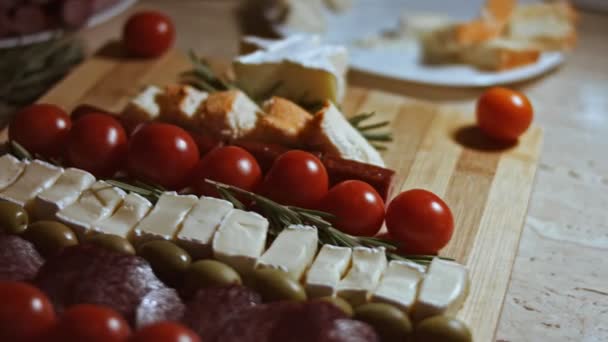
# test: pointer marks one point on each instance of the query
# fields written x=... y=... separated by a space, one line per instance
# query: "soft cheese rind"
x=93 y=205
x=165 y=218
x=329 y=267
x=132 y=210
x=36 y=177
x=64 y=192
x=240 y=239
x=11 y=170
x=292 y=250
x=367 y=267
x=198 y=228
x=443 y=290
x=399 y=285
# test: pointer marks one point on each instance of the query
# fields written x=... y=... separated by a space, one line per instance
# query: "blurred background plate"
x=369 y=18
x=97 y=18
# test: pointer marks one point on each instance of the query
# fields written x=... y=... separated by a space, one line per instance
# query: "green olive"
x=390 y=323
x=442 y=329
x=168 y=261
x=112 y=242
x=340 y=303
x=13 y=218
x=206 y=273
x=276 y=285
x=50 y=237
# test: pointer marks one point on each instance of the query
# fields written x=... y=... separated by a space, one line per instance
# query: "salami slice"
x=159 y=305
x=347 y=330
x=19 y=260
x=211 y=307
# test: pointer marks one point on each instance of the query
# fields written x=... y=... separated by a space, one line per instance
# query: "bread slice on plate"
x=500 y=54
x=331 y=133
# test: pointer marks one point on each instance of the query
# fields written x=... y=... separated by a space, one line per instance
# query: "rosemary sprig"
x=281 y=216
x=202 y=77
x=358 y=122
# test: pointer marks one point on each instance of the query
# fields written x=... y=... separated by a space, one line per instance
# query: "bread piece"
x=550 y=26
x=331 y=133
x=493 y=19
x=283 y=123
x=144 y=106
x=500 y=54
x=228 y=115
x=179 y=104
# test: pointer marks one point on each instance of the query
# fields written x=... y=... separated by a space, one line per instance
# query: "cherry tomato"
x=504 y=114
x=420 y=221
x=98 y=144
x=25 y=312
x=358 y=208
x=165 y=332
x=41 y=129
x=91 y=323
x=148 y=34
x=205 y=143
x=162 y=154
x=231 y=165
x=297 y=178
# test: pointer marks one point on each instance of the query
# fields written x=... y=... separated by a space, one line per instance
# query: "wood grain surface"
x=435 y=148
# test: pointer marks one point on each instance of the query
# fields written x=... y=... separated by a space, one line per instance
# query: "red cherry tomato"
x=91 y=323
x=162 y=154
x=98 y=144
x=165 y=332
x=420 y=221
x=358 y=208
x=41 y=129
x=231 y=165
x=25 y=312
x=504 y=114
x=148 y=34
x=297 y=178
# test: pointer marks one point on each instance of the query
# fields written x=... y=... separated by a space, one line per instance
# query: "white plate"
x=96 y=19
x=402 y=61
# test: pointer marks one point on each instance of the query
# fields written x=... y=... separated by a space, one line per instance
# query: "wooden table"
x=559 y=286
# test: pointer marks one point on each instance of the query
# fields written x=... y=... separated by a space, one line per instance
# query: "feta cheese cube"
x=329 y=267
x=240 y=240
x=292 y=250
x=399 y=285
x=36 y=177
x=367 y=267
x=132 y=210
x=64 y=192
x=11 y=168
x=199 y=226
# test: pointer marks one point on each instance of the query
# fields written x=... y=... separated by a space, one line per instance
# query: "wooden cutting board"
x=486 y=186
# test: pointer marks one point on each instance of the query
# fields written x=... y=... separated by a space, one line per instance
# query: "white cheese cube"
x=132 y=210
x=93 y=205
x=144 y=107
x=37 y=177
x=367 y=267
x=200 y=225
x=10 y=170
x=64 y=192
x=443 y=290
x=240 y=240
x=292 y=250
x=399 y=285
x=165 y=218
x=329 y=267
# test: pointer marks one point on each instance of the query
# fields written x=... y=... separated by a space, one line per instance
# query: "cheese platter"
x=265 y=205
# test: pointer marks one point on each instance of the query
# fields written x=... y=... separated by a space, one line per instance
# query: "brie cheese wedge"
x=292 y=251
x=36 y=177
x=399 y=285
x=329 y=267
x=200 y=225
x=364 y=275
x=443 y=290
x=299 y=68
x=330 y=132
x=11 y=170
x=165 y=218
x=64 y=192
x=240 y=240
x=132 y=210
x=93 y=205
